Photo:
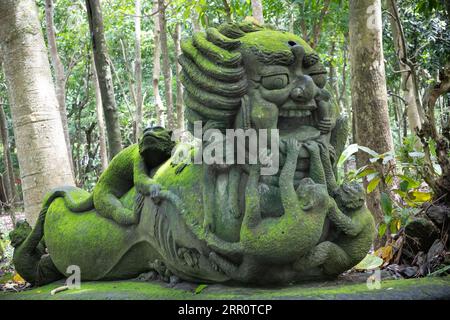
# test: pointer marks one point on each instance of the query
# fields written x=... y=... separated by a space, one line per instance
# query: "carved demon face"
x=285 y=80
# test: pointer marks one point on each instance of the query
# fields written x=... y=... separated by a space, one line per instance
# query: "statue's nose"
x=305 y=90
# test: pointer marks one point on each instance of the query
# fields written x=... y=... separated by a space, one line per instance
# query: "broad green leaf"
x=370 y=262
x=373 y=175
x=420 y=196
x=394 y=226
x=347 y=153
x=369 y=151
x=411 y=182
x=389 y=179
x=404 y=186
x=365 y=172
x=373 y=184
x=382 y=229
x=386 y=204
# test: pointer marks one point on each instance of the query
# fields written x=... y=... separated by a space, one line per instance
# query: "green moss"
x=273 y=41
x=426 y=288
x=85 y=239
x=208 y=67
x=187 y=185
x=222 y=56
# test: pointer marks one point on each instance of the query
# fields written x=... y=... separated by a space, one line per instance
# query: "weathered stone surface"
x=421 y=234
x=219 y=221
x=411 y=289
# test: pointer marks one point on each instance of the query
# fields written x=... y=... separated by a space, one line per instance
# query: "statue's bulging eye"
x=275 y=82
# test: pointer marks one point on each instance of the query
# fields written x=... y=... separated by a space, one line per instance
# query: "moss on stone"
x=272 y=41
x=425 y=288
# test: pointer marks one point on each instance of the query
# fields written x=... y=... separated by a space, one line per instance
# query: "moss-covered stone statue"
x=217 y=222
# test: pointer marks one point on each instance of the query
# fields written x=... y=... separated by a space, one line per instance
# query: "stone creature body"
x=222 y=221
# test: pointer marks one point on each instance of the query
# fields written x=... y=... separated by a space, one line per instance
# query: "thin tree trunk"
x=408 y=83
x=60 y=77
x=179 y=100
x=138 y=71
x=317 y=28
x=227 y=8
x=257 y=11
x=291 y=17
x=195 y=20
x=368 y=84
x=41 y=148
x=166 y=65
x=104 y=74
x=333 y=77
x=103 y=150
x=157 y=69
x=10 y=185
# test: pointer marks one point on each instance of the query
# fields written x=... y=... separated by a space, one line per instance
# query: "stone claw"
x=293 y=144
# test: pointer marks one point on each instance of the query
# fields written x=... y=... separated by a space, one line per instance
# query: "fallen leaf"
x=386 y=253
x=18 y=279
x=370 y=262
x=200 y=288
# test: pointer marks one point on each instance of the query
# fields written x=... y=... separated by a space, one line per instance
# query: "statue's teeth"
x=295 y=113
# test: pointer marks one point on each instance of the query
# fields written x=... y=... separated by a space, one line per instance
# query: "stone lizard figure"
x=131 y=167
x=357 y=228
x=30 y=258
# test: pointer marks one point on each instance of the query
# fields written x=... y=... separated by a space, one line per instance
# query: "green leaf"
x=387 y=219
x=404 y=186
x=373 y=184
x=416 y=154
x=411 y=182
x=365 y=172
x=369 y=151
x=393 y=226
x=347 y=153
x=386 y=204
x=382 y=229
x=370 y=262
x=200 y=288
x=419 y=196
x=389 y=179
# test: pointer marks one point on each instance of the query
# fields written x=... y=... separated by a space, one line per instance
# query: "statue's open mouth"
x=294 y=113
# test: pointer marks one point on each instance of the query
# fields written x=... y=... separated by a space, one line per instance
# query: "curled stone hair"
x=214 y=75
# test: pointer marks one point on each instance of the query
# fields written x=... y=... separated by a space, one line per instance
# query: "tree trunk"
x=103 y=150
x=439 y=183
x=333 y=77
x=60 y=78
x=41 y=148
x=166 y=65
x=157 y=68
x=257 y=11
x=10 y=181
x=195 y=20
x=408 y=84
x=368 y=84
x=138 y=71
x=317 y=28
x=179 y=100
x=103 y=67
x=227 y=9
